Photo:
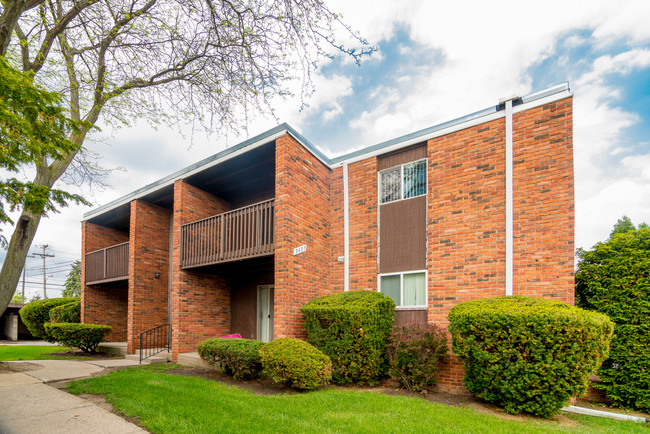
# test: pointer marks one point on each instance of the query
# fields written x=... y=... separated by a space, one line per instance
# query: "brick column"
x=302 y=216
x=103 y=304
x=200 y=300
x=148 y=269
x=544 y=217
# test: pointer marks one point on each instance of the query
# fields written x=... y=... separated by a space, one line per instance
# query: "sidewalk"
x=29 y=406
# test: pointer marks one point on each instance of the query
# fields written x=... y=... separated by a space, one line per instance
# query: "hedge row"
x=296 y=363
x=528 y=354
x=37 y=313
x=352 y=328
x=237 y=357
x=86 y=337
x=70 y=313
x=289 y=361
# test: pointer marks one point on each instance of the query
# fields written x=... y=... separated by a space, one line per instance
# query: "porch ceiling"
x=245 y=179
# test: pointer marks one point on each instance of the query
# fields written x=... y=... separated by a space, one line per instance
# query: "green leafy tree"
x=34 y=131
x=623 y=225
x=73 y=282
x=614 y=278
x=17 y=297
x=209 y=62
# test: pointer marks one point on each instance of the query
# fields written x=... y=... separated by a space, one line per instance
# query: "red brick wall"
x=103 y=304
x=544 y=202
x=362 y=196
x=466 y=217
x=362 y=200
x=466 y=225
x=302 y=216
x=200 y=301
x=148 y=254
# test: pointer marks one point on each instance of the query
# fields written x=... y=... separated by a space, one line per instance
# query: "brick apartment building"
x=479 y=206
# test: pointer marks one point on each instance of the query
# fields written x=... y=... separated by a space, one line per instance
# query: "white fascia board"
x=545 y=100
x=419 y=139
x=461 y=126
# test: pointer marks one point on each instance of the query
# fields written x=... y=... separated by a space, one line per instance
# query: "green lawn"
x=32 y=352
x=166 y=403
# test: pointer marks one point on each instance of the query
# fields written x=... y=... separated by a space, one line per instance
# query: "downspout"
x=170 y=274
x=509 y=198
x=346 y=230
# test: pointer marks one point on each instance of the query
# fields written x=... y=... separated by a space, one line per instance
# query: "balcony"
x=234 y=235
x=107 y=265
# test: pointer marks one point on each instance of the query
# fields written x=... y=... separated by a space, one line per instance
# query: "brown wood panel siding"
x=410 y=316
x=402 y=156
x=243 y=300
x=402 y=235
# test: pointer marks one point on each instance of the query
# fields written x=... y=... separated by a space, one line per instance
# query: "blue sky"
x=439 y=61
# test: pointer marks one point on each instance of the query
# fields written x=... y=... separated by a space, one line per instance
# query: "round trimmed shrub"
x=237 y=357
x=37 y=313
x=86 y=337
x=70 y=313
x=528 y=355
x=415 y=353
x=614 y=278
x=296 y=363
x=352 y=328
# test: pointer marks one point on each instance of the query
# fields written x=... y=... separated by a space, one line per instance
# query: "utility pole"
x=44 y=255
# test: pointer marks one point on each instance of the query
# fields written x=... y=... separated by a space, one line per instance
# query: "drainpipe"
x=346 y=230
x=509 y=196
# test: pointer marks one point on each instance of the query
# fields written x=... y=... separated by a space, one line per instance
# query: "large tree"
x=613 y=277
x=208 y=61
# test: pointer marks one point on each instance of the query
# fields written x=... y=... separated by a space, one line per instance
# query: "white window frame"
x=401 y=174
x=401 y=287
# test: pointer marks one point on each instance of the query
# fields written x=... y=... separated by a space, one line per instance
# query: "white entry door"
x=265 y=313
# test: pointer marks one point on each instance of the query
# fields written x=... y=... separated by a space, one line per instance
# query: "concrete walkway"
x=29 y=406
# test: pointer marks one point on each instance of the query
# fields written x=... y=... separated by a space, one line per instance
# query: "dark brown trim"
x=402 y=156
x=403 y=235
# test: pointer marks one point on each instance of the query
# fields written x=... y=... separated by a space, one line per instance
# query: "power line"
x=44 y=256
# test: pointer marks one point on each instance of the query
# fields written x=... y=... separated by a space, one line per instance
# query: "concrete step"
x=117 y=348
x=193 y=359
x=162 y=357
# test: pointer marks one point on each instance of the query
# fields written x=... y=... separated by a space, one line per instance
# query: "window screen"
x=403 y=182
x=390 y=185
x=415 y=179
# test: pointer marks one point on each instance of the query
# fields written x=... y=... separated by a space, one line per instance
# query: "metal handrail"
x=155 y=340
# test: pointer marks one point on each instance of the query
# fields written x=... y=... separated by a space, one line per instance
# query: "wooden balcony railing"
x=239 y=234
x=107 y=265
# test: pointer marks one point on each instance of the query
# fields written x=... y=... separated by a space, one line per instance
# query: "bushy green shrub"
x=86 y=337
x=528 y=355
x=415 y=353
x=296 y=363
x=37 y=313
x=70 y=313
x=614 y=278
x=237 y=357
x=352 y=328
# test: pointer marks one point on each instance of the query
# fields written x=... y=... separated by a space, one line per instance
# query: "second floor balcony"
x=107 y=265
x=234 y=235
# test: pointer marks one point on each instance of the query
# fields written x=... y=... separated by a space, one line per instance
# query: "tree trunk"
x=21 y=239
x=10 y=14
